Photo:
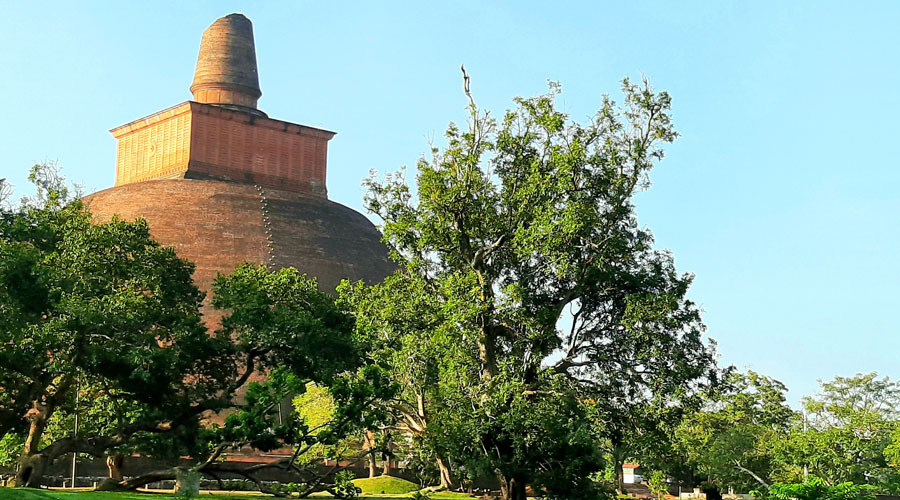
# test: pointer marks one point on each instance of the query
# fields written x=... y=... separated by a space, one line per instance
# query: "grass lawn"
x=385 y=484
x=34 y=494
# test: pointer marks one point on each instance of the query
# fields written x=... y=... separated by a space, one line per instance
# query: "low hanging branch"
x=213 y=468
x=752 y=474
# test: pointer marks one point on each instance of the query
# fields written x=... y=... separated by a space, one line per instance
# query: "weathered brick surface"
x=204 y=141
x=226 y=65
x=219 y=225
x=224 y=184
x=275 y=154
x=155 y=147
x=221 y=134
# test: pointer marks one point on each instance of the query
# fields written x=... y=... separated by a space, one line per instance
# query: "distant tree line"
x=744 y=437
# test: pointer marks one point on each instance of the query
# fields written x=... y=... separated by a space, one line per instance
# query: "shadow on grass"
x=36 y=494
x=27 y=494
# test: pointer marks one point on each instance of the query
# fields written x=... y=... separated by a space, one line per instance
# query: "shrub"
x=816 y=489
x=344 y=487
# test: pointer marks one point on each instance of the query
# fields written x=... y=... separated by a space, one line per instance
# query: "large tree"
x=532 y=289
x=847 y=430
x=281 y=325
x=733 y=440
x=98 y=308
x=100 y=321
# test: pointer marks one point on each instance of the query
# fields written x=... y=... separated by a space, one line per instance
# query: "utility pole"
x=805 y=469
x=74 y=454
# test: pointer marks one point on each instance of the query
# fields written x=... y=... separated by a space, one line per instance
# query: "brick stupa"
x=225 y=184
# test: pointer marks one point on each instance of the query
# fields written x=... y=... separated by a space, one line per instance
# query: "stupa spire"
x=226 y=73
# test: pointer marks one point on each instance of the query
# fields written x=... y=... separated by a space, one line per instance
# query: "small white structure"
x=631 y=473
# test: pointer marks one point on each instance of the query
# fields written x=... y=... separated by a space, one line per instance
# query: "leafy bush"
x=658 y=483
x=344 y=487
x=816 y=489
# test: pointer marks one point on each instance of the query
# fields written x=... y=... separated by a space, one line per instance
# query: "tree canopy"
x=102 y=321
x=515 y=227
x=732 y=438
x=100 y=308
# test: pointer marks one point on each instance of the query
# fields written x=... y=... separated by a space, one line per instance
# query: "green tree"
x=294 y=329
x=848 y=431
x=514 y=226
x=100 y=321
x=317 y=408
x=280 y=324
x=99 y=306
x=732 y=439
x=816 y=489
x=658 y=483
x=419 y=341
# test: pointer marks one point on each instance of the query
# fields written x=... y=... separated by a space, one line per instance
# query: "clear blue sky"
x=781 y=195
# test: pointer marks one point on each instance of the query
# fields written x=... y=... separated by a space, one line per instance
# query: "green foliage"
x=281 y=321
x=733 y=438
x=10 y=448
x=99 y=320
x=849 y=428
x=658 y=483
x=282 y=318
x=344 y=487
x=316 y=407
x=421 y=495
x=817 y=489
x=892 y=450
x=284 y=325
x=517 y=227
x=98 y=308
x=421 y=461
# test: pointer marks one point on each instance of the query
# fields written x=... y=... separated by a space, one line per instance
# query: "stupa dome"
x=220 y=225
x=224 y=184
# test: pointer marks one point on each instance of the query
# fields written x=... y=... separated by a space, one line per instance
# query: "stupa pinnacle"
x=226 y=73
x=220 y=134
x=225 y=184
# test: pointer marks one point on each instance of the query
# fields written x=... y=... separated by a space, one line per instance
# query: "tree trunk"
x=387 y=455
x=369 y=446
x=187 y=482
x=150 y=477
x=446 y=481
x=752 y=474
x=512 y=488
x=32 y=464
x=31 y=470
x=373 y=467
x=619 y=463
x=114 y=463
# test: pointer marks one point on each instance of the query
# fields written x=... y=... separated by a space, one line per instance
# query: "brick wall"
x=233 y=145
x=156 y=147
x=202 y=141
x=220 y=225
